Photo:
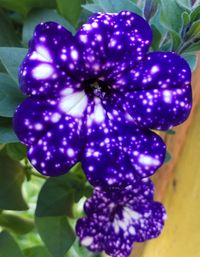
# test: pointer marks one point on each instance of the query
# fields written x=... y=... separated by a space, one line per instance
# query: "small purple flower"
x=94 y=97
x=116 y=219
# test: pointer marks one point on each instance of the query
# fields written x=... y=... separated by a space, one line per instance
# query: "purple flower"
x=116 y=219
x=94 y=97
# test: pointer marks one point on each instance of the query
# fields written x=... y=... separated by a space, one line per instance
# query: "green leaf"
x=150 y=9
x=191 y=59
x=10 y=96
x=176 y=40
x=194 y=30
x=192 y=48
x=24 y=6
x=93 y=8
x=170 y=132
x=37 y=251
x=8 y=246
x=8 y=36
x=56 y=233
x=185 y=4
x=15 y=223
x=171 y=15
x=70 y=9
x=57 y=195
x=11 y=179
x=168 y=157
x=11 y=57
x=114 y=6
x=195 y=14
x=37 y=16
x=156 y=38
x=7 y=134
x=16 y=151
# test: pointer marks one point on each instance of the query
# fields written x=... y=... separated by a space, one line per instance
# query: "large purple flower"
x=116 y=219
x=94 y=97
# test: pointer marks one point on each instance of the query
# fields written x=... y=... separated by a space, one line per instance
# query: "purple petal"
x=117 y=218
x=52 y=61
x=59 y=149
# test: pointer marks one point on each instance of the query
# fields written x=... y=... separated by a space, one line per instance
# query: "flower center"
x=96 y=87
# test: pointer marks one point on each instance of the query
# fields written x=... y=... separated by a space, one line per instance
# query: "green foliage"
x=10 y=96
x=8 y=246
x=55 y=203
x=11 y=179
x=36 y=251
x=56 y=233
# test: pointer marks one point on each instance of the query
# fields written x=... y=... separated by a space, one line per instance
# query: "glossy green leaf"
x=168 y=157
x=58 y=194
x=192 y=60
x=8 y=36
x=56 y=233
x=186 y=4
x=11 y=57
x=70 y=10
x=194 y=30
x=8 y=246
x=114 y=6
x=150 y=8
x=170 y=132
x=37 y=251
x=37 y=16
x=16 y=151
x=15 y=223
x=171 y=15
x=7 y=134
x=93 y=8
x=10 y=96
x=156 y=38
x=11 y=179
x=192 y=48
x=24 y=6
x=176 y=40
x=195 y=14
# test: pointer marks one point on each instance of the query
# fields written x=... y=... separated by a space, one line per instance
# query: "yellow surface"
x=181 y=235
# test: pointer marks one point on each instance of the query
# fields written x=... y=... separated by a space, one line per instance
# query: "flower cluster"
x=117 y=218
x=94 y=98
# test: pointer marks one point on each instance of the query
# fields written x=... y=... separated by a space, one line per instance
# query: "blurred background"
x=37 y=214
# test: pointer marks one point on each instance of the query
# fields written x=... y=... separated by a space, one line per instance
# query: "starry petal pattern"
x=115 y=219
x=94 y=98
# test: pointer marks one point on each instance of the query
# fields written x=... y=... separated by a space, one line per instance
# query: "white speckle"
x=33 y=161
x=63 y=57
x=87 y=26
x=74 y=104
x=99 y=113
x=132 y=230
x=74 y=54
x=70 y=152
x=154 y=69
x=55 y=117
x=67 y=91
x=87 y=241
x=38 y=126
x=43 y=51
x=83 y=38
x=42 y=71
x=148 y=160
x=167 y=96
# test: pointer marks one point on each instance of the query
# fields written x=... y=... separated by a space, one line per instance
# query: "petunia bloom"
x=94 y=98
x=116 y=219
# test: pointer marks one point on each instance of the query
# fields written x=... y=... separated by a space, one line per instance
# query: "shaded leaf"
x=11 y=179
x=186 y=4
x=10 y=96
x=8 y=36
x=93 y=8
x=171 y=15
x=37 y=251
x=56 y=233
x=11 y=57
x=7 y=134
x=8 y=246
x=16 y=151
x=156 y=38
x=150 y=9
x=57 y=195
x=15 y=223
x=37 y=16
x=168 y=157
x=191 y=59
x=70 y=9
